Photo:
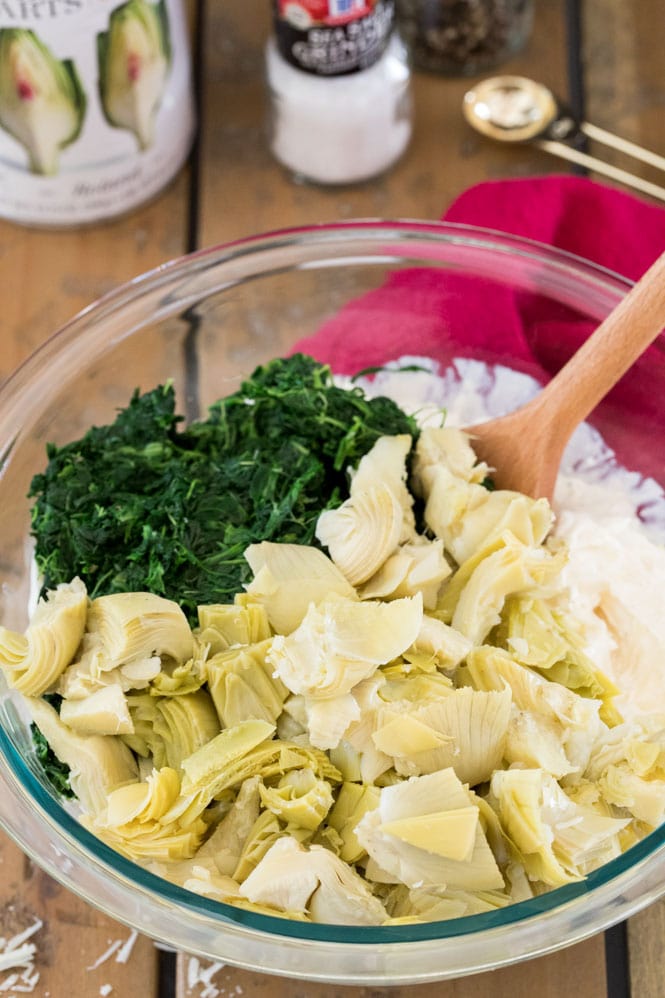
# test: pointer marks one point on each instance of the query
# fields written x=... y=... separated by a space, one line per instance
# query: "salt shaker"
x=340 y=89
x=96 y=107
x=464 y=37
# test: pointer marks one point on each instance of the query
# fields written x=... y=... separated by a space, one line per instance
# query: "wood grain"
x=623 y=46
x=579 y=969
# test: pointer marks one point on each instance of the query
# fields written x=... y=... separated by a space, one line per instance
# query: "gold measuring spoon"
x=516 y=109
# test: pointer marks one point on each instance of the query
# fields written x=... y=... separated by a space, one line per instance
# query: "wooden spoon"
x=525 y=447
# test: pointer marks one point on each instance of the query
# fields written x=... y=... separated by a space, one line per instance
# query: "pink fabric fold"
x=450 y=315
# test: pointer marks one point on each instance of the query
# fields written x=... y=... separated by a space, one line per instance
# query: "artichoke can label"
x=333 y=37
x=96 y=106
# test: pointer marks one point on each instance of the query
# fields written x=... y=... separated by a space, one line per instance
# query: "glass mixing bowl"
x=205 y=321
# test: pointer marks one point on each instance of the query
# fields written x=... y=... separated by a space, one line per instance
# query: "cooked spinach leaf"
x=56 y=772
x=146 y=504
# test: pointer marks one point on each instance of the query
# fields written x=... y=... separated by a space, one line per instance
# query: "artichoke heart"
x=243 y=686
x=98 y=763
x=450 y=834
x=417 y=567
x=448 y=447
x=104 y=712
x=341 y=642
x=353 y=801
x=33 y=662
x=173 y=728
x=226 y=843
x=299 y=799
x=362 y=532
x=546 y=640
x=559 y=841
x=411 y=864
x=288 y=577
x=136 y=821
x=225 y=625
x=471 y=727
x=134 y=626
x=133 y=57
x=513 y=568
x=294 y=878
x=385 y=464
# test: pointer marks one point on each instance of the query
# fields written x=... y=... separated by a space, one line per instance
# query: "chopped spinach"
x=146 y=504
x=56 y=772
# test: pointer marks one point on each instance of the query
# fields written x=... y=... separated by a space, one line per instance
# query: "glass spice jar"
x=463 y=37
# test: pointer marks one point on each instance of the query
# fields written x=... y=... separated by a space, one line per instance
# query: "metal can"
x=96 y=106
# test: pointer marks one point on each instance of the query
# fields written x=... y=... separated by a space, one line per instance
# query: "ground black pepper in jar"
x=463 y=37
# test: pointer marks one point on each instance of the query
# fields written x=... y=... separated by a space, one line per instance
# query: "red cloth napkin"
x=450 y=315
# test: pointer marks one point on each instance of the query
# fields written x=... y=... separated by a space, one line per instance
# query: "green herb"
x=143 y=504
x=56 y=772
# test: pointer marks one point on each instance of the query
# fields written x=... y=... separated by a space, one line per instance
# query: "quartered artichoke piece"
x=104 y=712
x=226 y=843
x=567 y=725
x=313 y=881
x=243 y=686
x=136 y=626
x=98 y=763
x=248 y=749
x=396 y=837
x=478 y=590
x=299 y=799
x=432 y=904
x=170 y=729
x=362 y=532
x=134 y=56
x=341 y=642
x=353 y=801
x=338 y=645
x=558 y=840
x=544 y=639
x=466 y=731
x=138 y=821
x=416 y=567
x=464 y=514
x=226 y=625
x=33 y=662
x=42 y=101
x=627 y=766
x=288 y=577
x=385 y=465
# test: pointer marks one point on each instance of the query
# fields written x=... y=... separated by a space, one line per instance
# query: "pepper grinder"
x=464 y=37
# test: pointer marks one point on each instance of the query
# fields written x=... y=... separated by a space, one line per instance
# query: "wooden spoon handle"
x=608 y=353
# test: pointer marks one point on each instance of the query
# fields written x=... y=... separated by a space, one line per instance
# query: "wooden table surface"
x=606 y=58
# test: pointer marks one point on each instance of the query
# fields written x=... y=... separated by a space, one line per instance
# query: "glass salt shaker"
x=339 y=84
x=464 y=37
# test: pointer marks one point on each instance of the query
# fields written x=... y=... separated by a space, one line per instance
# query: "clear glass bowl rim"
x=607 y=895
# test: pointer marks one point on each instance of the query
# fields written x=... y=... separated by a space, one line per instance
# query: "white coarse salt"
x=340 y=129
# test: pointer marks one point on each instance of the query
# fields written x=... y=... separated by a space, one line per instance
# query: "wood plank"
x=623 y=46
x=73 y=938
x=47 y=276
x=625 y=88
x=579 y=969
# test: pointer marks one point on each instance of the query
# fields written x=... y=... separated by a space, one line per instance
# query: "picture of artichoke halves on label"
x=134 y=57
x=42 y=102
